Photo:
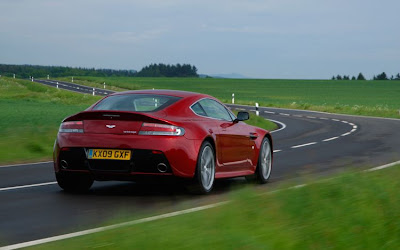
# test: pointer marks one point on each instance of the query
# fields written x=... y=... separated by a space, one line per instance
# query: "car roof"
x=177 y=93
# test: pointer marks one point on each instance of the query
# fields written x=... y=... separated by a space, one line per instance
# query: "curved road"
x=34 y=207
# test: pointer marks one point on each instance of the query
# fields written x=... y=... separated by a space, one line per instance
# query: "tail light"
x=71 y=127
x=160 y=129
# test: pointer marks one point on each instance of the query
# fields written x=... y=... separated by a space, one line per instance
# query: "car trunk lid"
x=113 y=122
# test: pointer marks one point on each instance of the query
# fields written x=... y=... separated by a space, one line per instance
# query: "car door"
x=232 y=139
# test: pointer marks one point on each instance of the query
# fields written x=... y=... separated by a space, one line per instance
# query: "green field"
x=31 y=114
x=372 y=98
x=352 y=211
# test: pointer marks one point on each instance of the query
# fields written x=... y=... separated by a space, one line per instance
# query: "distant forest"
x=166 y=70
x=153 y=70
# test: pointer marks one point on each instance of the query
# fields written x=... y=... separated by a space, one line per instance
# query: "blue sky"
x=260 y=39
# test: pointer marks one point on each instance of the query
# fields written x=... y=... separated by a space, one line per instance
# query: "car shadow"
x=163 y=188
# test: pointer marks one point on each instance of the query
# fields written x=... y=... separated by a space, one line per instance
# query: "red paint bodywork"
x=236 y=153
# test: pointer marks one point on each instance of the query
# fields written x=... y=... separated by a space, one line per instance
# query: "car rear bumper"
x=151 y=155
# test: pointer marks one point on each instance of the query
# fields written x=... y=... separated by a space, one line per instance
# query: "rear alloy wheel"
x=264 y=166
x=74 y=182
x=205 y=170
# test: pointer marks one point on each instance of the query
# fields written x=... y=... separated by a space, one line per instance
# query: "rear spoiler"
x=114 y=115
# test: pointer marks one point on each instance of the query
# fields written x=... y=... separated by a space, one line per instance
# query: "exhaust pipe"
x=64 y=164
x=162 y=168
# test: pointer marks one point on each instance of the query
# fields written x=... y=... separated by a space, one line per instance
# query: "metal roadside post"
x=257 y=112
x=233 y=98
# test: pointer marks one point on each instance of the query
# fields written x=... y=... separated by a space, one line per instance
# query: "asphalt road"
x=311 y=143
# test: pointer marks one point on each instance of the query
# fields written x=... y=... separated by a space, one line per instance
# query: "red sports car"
x=133 y=134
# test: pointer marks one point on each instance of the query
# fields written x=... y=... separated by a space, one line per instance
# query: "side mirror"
x=242 y=116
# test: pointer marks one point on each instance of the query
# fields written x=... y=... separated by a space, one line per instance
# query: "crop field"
x=372 y=98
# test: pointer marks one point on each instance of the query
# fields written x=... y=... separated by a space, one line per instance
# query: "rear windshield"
x=136 y=102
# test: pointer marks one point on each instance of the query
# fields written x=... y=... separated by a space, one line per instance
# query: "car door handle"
x=253 y=136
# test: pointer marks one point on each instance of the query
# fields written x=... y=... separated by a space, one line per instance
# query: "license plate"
x=109 y=154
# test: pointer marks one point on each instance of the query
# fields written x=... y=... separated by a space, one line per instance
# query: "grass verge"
x=259 y=122
x=371 y=98
x=30 y=116
x=352 y=211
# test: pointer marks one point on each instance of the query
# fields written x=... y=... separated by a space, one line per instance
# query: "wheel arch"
x=212 y=142
x=268 y=135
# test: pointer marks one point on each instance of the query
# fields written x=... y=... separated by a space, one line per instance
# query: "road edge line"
x=24 y=164
x=283 y=125
x=28 y=186
x=383 y=166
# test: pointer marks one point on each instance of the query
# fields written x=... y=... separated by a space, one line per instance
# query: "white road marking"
x=278 y=150
x=298 y=186
x=110 y=227
x=298 y=115
x=383 y=166
x=330 y=139
x=336 y=120
x=269 y=112
x=323 y=118
x=345 y=121
x=28 y=186
x=24 y=164
x=283 y=126
x=311 y=117
x=355 y=126
x=345 y=134
x=303 y=145
x=352 y=124
x=353 y=130
x=284 y=114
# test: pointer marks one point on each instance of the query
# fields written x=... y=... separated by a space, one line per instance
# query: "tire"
x=203 y=181
x=74 y=182
x=264 y=165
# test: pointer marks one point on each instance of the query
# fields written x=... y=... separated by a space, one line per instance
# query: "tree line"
x=167 y=70
x=360 y=76
x=37 y=71
x=153 y=70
